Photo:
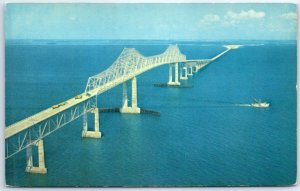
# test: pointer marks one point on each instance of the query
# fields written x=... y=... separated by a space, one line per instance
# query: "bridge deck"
x=49 y=112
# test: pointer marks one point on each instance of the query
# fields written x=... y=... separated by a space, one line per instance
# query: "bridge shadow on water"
x=117 y=110
x=173 y=86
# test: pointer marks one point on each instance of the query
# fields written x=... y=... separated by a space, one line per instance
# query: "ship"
x=260 y=104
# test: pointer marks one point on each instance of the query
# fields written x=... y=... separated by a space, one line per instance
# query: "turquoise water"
x=201 y=137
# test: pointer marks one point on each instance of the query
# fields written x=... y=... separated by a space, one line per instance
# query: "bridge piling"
x=176 y=80
x=125 y=98
x=183 y=73
x=134 y=93
x=92 y=134
x=170 y=73
x=198 y=67
x=133 y=109
x=190 y=71
x=40 y=169
x=195 y=69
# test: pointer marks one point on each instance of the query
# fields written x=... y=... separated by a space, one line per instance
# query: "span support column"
x=40 y=169
x=176 y=79
x=197 y=68
x=124 y=98
x=190 y=71
x=134 y=93
x=194 y=69
x=170 y=74
x=92 y=134
x=183 y=70
x=133 y=109
x=176 y=74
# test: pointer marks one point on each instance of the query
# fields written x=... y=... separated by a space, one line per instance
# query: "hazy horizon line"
x=151 y=39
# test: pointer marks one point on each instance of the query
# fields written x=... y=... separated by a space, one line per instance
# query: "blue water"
x=201 y=136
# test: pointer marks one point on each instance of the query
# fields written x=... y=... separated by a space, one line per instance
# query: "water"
x=201 y=137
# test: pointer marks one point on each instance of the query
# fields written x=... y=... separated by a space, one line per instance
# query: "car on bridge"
x=63 y=103
x=55 y=106
x=78 y=97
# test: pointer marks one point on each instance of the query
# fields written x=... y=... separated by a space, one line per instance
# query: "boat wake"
x=244 y=105
x=218 y=103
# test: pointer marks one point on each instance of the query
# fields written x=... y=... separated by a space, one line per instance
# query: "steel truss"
x=131 y=63
x=32 y=135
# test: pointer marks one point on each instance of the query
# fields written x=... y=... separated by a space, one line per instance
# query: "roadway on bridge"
x=49 y=112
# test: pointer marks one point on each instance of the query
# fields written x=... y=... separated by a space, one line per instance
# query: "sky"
x=151 y=21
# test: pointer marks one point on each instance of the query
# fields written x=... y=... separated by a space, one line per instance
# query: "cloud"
x=208 y=19
x=235 y=18
x=250 y=14
x=231 y=18
x=290 y=15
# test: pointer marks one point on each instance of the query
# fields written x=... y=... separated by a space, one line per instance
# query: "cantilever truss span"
x=131 y=63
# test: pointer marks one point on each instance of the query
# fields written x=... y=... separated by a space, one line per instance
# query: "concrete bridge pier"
x=176 y=79
x=190 y=71
x=133 y=109
x=91 y=134
x=40 y=169
x=124 y=98
x=183 y=73
x=195 y=69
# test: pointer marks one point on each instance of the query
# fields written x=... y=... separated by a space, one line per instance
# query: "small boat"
x=260 y=104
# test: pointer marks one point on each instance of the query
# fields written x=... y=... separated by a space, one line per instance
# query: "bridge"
x=32 y=130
